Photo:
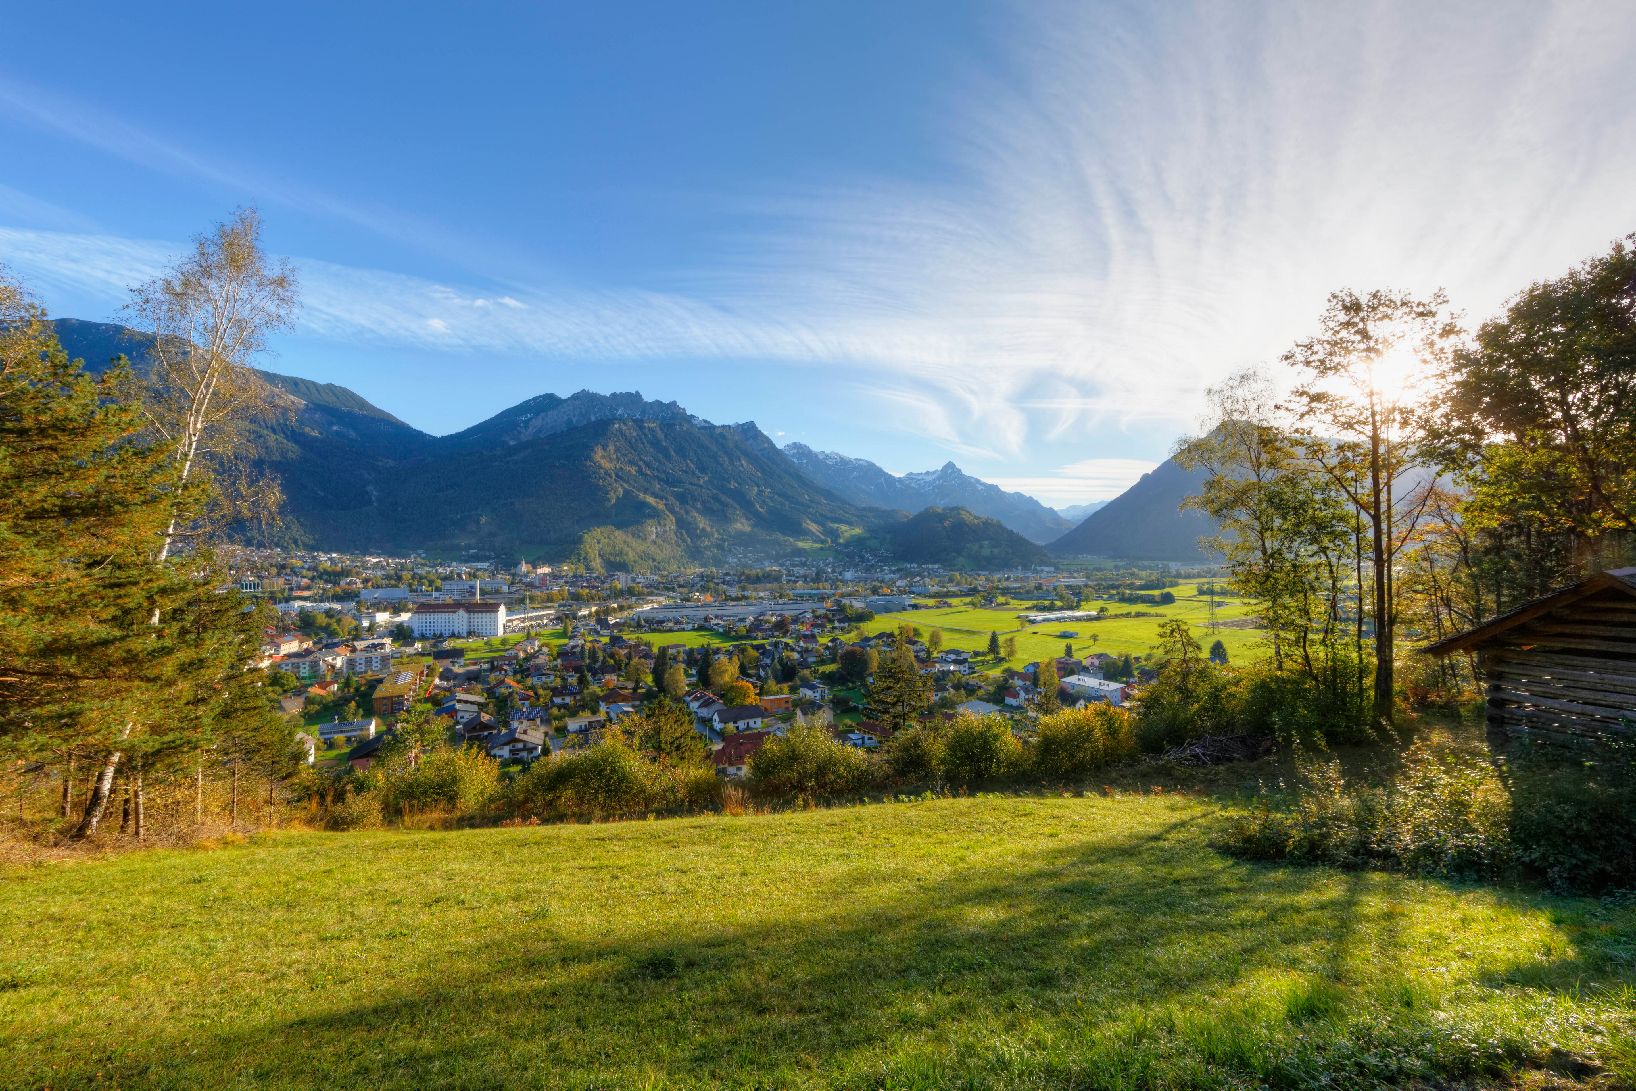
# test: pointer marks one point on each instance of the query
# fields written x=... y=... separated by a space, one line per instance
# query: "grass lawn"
x=987 y=942
x=687 y=638
x=967 y=628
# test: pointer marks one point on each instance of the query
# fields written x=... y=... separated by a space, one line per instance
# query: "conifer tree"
x=994 y=645
x=900 y=692
x=80 y=511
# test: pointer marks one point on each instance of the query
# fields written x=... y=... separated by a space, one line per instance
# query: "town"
x=536 y=661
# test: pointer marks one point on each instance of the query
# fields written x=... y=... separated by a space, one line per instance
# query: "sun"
x=1396 y=374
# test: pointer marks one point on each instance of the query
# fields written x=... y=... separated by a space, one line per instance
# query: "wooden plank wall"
x=1568 y=676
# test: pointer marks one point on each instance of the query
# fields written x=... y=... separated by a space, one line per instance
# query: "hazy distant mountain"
x=957 y=538
x=863 y=482
x=1076 y=513
x=1145 y=522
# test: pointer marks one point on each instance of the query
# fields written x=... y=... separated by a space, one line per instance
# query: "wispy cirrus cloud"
x=1144 y=199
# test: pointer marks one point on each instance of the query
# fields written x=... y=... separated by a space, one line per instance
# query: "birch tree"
x=208 y=317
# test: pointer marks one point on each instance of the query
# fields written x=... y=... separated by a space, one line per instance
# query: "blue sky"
x=1024 y=236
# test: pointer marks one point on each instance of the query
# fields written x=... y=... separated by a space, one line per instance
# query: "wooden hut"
x=1561 y=668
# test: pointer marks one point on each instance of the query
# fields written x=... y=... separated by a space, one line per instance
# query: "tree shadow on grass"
x=997 y=975
x=1128 y=960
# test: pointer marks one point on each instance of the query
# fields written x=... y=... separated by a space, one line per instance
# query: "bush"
x=1574 y=822
x=355 y=810
x=1446 y=814
x=462 y=780
x=916 y=752
x=978 y=748
x=1073 y=743
x=608 y=780
x=1293 y=705
x=809 y=763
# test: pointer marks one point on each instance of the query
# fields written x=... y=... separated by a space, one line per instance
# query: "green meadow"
x=1030 y=942
x=968 y=628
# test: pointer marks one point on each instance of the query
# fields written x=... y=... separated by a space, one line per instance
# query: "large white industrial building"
x=436 y=619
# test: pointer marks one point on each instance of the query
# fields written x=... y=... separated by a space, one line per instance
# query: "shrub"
x=1074 y=742
x=462 y=780
x=1294 y=705
x=916 y=752
x=978 y=748
x=809 y=763
x=1445 y=814
x=1574 y=822
x=355 y=810
x=608 y=780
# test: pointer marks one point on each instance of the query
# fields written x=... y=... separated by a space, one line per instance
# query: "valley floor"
x=987 y=942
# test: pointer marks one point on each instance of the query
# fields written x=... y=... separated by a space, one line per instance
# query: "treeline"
x=654 y=763
x=124 y=652
x=1419 y=477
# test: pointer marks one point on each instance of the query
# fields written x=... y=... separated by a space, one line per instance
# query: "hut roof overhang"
x=1619 y=580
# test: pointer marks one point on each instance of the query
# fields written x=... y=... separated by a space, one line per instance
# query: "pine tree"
x=80 y=513
x=900 y=693
x=994 y=645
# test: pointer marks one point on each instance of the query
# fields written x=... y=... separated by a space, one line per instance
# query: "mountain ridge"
x=616 y=480
x=1146 y=522
x=863 y=482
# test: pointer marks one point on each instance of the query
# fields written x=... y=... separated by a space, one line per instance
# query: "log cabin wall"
x=1567 y=676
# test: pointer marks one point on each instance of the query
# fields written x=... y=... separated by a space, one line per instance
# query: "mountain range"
x=863 y=482
x=619 y=481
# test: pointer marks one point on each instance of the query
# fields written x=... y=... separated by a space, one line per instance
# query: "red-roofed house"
x=732 y=758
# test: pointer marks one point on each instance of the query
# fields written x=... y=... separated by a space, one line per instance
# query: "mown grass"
x=988 y=942
x=967 y=628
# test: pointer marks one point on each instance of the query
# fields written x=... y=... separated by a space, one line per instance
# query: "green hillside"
x=1040 y=943
x=958 y=538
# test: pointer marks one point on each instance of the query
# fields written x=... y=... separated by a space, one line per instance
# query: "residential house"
x=362 y=756
x=736 y=718
x=311 y=664
x=775 y=703
x=396 y=693
x=348 y=731
x=520 y=742
x=1084 y=687
x=732 y=758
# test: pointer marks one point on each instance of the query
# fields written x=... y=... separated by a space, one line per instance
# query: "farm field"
x=982 y=942
x=967 y=628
